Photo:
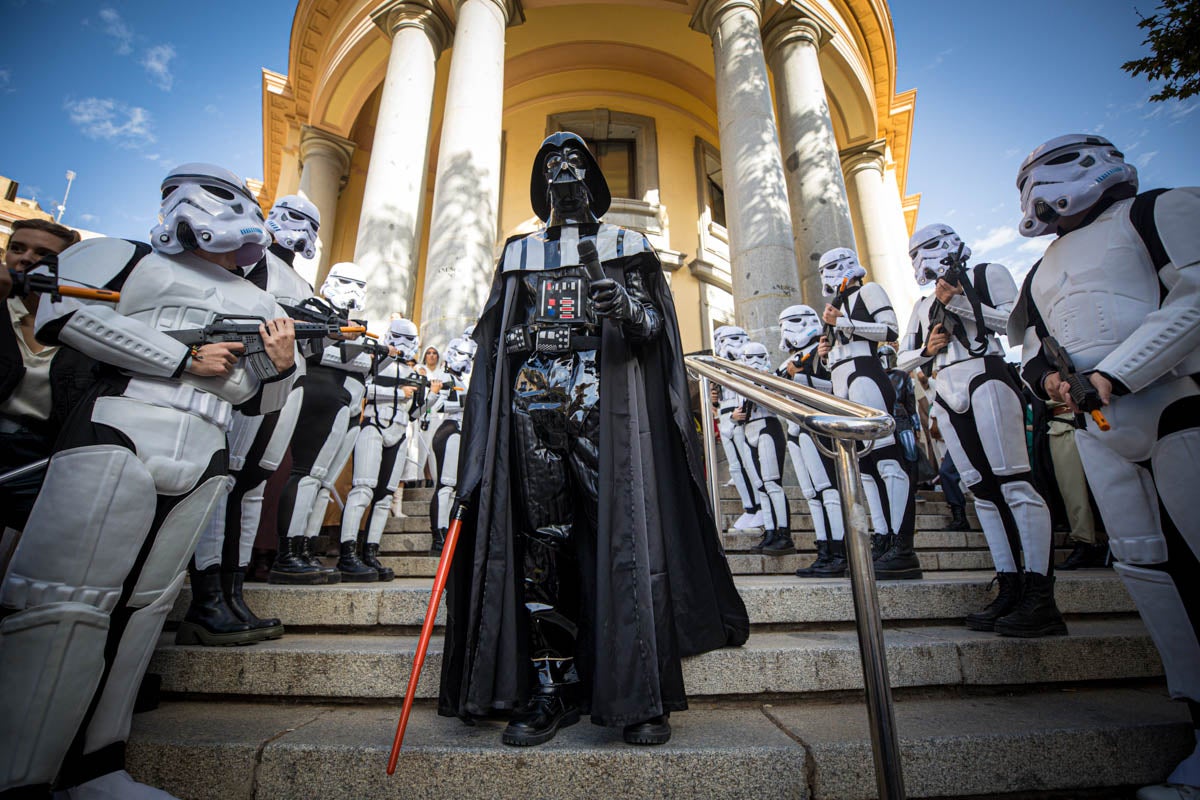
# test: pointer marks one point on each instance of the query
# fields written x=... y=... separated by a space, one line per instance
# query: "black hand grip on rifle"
x=591 y=260
x=956 y=275
x=837 y=302
x=245 y=329
x=1083 y=394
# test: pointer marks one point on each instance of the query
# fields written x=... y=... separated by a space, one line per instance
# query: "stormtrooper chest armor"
x=385 y=395
x=284 y=283
x=1095 y=286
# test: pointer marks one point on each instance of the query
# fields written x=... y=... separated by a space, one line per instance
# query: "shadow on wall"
x=391 y=278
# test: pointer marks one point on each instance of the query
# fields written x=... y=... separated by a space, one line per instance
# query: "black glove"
x=609 y=299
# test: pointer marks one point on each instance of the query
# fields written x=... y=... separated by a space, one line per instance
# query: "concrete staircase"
x=312 y=715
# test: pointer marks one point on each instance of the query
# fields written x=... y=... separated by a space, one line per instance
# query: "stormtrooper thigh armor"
x=982 y=418
x=893 y=510
x=1143 y=476
x=766 y=444
x=812 y=472
x=93 y=577
x=378 y=461
x=731 y=433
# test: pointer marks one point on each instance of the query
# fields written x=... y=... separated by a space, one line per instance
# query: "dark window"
x=716 y=187
x=618 y=161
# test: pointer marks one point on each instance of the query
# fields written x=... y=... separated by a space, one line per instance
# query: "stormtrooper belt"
x=550 y=339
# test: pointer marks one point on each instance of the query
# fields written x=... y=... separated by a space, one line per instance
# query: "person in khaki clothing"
x=1090 y=546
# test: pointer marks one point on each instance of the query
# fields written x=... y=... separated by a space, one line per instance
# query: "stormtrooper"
x=1119 y=289
x=326 y=429
x=137 y=470
x=763 y=444
x=979 y=410
x=858 y=317
x=257 y=445
x=392 y=403
x=579 y=589
x=800 y=331
x=448 y=404
x=728 y=341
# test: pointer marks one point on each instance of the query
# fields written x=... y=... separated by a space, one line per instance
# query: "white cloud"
x=6 y=81
x=115 y=27
x=88 y=218
x=157 y=62
x=996 y=237
x=1142 y=161
x=107 y=119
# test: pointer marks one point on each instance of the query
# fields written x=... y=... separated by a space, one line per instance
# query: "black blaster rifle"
x=1083 y=394
x=839 y=300
x=244 y=329
x=25 y=283
x=956 y=275
x=313 y=310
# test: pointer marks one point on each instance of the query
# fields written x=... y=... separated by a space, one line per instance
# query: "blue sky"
x=121 y=91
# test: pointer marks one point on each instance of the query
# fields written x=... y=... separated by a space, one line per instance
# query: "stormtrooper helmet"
x=294 y=223
x=460 y=354
x=469 y=331
x=838 y=266
x=799 y=326
x=887 y=356
x=206 y=207
x=932 y=250
x=755 y=355
x=1068 y=175
x=728 y=341
x=402 y=335
x=345 y=286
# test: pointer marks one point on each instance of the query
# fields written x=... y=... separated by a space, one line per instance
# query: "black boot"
x=351 y=566
x=1005 y=602
x=370 y=557
x=822 y=560
x=836 y=566
x=208 y=620
x=540 y=718
x=292 y=565
x=1036 y=615
x=231 y=587
x=781 y=545
x=880 y=544
x=958 y=519
x=331 y=574
x=656 y=730
x=1085 y=556
x=439 y=541
x=899 y=563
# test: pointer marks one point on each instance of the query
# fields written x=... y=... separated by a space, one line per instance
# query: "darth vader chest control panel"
x=561 y=301
x=559 y=320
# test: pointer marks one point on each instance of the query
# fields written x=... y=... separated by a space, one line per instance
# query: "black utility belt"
x=551 y=339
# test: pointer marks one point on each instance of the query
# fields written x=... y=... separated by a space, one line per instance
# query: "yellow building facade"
x=743 y=137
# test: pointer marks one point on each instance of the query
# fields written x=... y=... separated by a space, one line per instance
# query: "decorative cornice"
x=514 y=13
x=426 y=17
x=872 y=155
x=710 y=12
x=707 y=272
x=794 y=26
x=316 y=142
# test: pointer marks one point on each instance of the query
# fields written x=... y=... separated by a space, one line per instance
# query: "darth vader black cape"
x=660 y=584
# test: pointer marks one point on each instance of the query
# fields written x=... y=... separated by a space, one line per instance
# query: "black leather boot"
x=899 y=563
x=1004 y=603
x=880 y=544
x=231 y=587
x=331 y=574
x=781 y=545
x=1037 y=614
x=540 y=718
x=370 y=557
x=835 y=566
x=292 y=565
x=208 y=620
x=439 y=540
x=822 y=560
x=351 y=566
x=958 y=519
x=656 y=730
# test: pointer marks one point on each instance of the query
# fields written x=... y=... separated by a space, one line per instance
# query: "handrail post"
x=710 y=449
x=889 y=775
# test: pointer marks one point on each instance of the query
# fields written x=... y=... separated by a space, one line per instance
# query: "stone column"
x=325 y=166
x=820 y=210
x=884 y=251
x=462 y=230
x=394 y=196
x=762 y=258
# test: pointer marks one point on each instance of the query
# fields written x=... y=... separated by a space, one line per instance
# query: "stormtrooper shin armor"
x=449 y=404
x=728 y=341
x=139 y=467
x=764 y=445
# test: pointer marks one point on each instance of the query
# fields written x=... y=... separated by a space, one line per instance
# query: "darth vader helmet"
x=566 y=181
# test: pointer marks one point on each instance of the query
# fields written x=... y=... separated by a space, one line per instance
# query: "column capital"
x=512 y=10
x=872 y=155
x=317 y=143
x=795 y=25
x=426 y=17
x=710 y=12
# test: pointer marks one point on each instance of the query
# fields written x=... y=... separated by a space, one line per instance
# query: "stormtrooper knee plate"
x=895 y=483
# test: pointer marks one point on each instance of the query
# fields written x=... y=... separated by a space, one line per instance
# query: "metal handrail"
x=846 y=423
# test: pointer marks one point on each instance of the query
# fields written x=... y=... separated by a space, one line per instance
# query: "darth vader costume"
x=589 y=563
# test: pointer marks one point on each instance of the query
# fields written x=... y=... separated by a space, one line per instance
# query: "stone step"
x=770 y=599
x=1047 y=741
x=365 y=666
